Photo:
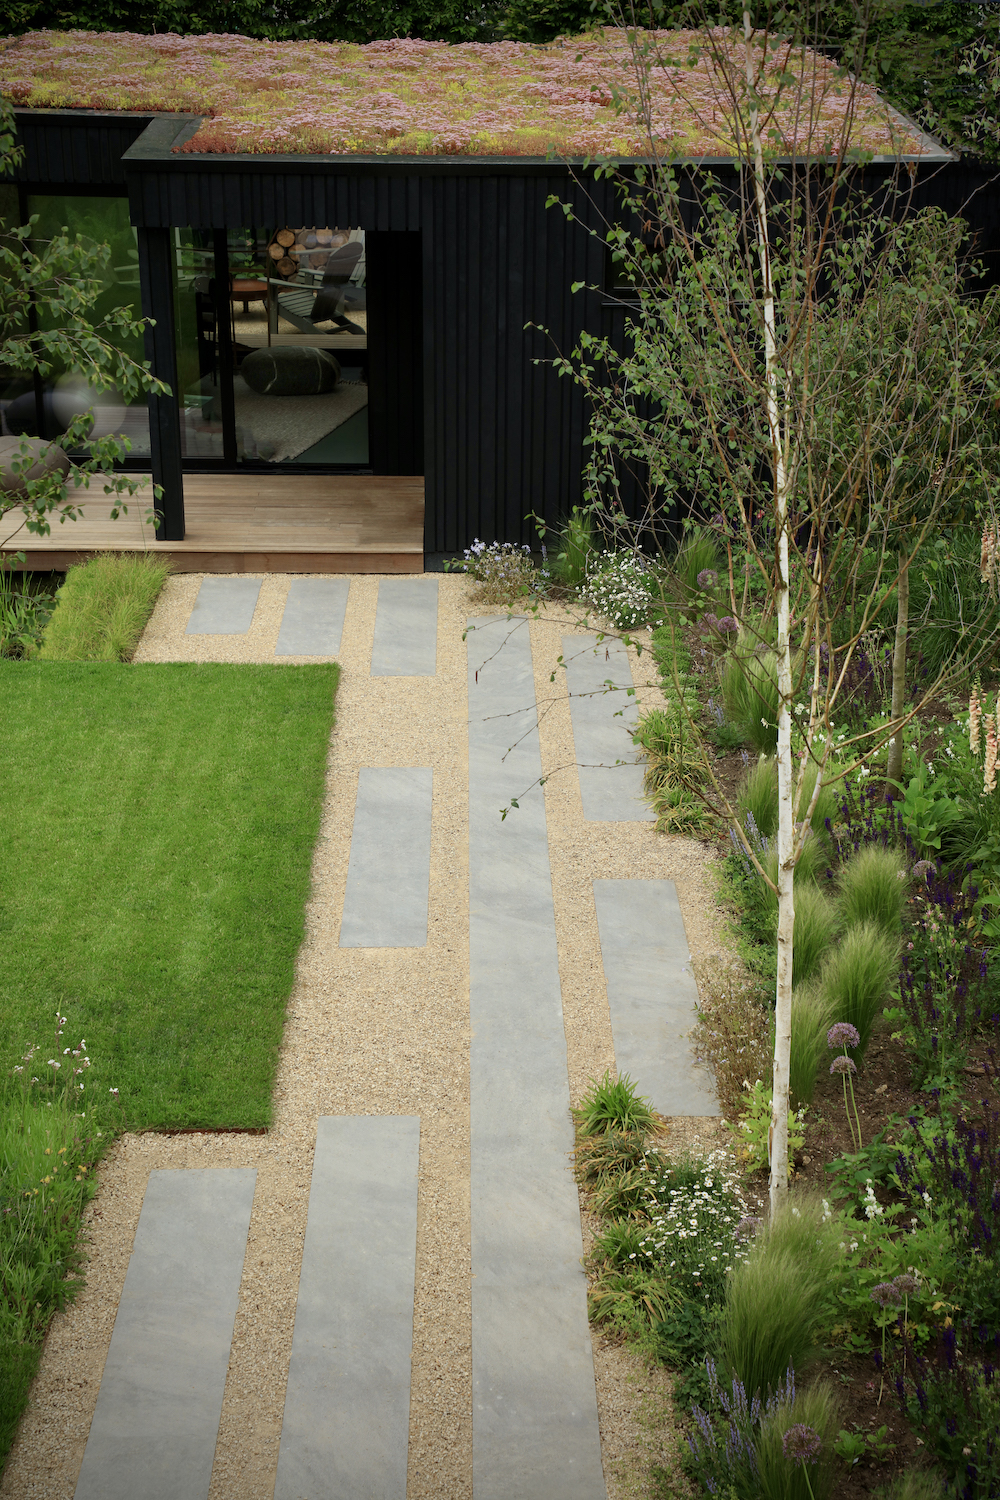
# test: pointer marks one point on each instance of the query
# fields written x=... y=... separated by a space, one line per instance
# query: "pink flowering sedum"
x=418 y=98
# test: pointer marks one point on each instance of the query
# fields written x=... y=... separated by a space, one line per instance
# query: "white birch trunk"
x=786 y=830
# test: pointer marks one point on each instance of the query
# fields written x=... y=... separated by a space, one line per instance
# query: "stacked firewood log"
x=291 y=249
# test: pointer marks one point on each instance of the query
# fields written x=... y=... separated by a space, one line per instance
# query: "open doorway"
x=299 y=348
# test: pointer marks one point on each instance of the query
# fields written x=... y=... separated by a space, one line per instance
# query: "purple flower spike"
x=886 y=1294
x=842 y=1065
x=801 y=1444
x=843 y=1035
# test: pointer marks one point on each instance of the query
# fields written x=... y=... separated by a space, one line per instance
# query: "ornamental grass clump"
x=613 y=1104
x=810 y=1021
x=750 y=693
x=873 y=888
x=103 y=607
x=776 y=1300
x=795 y=1452
x=816 y=926
x=856 y=977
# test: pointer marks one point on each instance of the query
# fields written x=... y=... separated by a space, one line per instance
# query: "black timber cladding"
x=502 y=436
x=75 y=148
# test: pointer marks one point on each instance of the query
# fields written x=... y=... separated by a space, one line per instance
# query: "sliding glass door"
x=272 y=347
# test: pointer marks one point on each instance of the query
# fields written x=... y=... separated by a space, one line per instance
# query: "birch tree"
x=802 y=363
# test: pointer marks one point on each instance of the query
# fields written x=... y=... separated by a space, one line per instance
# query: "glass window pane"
x=300 y=345
x=102 y=221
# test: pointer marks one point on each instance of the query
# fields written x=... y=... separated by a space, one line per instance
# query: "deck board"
x=258 y=523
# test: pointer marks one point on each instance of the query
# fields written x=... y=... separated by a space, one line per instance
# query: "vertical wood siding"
x=502 y=436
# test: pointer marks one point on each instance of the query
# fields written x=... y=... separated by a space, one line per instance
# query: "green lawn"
x=155 y=853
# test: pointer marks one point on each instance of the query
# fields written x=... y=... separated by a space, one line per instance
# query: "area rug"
x=282 y=427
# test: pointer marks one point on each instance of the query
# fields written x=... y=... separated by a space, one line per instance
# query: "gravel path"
x=376 y=1032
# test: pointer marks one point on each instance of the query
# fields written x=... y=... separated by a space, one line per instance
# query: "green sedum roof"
x=573 y=98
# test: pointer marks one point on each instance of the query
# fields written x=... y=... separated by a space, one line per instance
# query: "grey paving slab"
x=347 y=1404
x=405 y=628
x=388 y=874
x=156 y=1422
x=608 y=764
x=224 y=606
x=534 y=1428
x=652 y=994
x=313 y=621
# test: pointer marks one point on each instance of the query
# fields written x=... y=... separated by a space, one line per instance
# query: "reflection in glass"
x=65 y=393
x=294 y=345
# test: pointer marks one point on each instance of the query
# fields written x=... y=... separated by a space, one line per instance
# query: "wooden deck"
x=257 y=523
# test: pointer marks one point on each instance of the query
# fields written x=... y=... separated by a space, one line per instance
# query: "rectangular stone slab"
x=406 y=628
x=346 y=1427
x=534 y=1426
x=224 y=606
x=388 y=874
x=652 y=994
x=156 y=1423
x=608 y=764
x=313 y=621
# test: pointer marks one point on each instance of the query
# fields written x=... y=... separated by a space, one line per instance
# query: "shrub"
x=873 y=888
x=624 y=589
x=781 y=1476
x=856 y=976
x=815 y=926
x=613 y=1104
x=810 y=1024
x=775 y=1300
x=502 y=572
x=102 y=608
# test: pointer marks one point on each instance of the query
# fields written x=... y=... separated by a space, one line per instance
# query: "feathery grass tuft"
x=779 y=1477
x=856 y=976
x=102 y=608
x=810 y=1024
x=775 y=1299
x=873 y=888
x=816 y=925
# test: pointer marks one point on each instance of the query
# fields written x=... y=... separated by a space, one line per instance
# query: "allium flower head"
x=922 y=868
x=843 y=1065
x=906 y=1284
x=843 y=1035
x=748 y=1225
x=707 y=578
x=886 y=1294
x=801 y=1444
x=728 y=625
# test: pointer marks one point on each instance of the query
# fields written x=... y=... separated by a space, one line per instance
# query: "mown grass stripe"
x=156 y=867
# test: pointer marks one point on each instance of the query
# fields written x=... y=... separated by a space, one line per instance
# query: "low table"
x=247 y=291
